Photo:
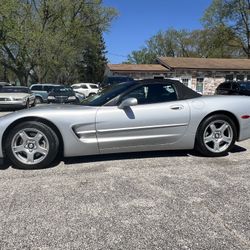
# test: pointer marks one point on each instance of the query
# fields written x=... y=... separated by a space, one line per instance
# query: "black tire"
x=92 y=94
x=200 y=144
x=38 y=100
x=52 y=139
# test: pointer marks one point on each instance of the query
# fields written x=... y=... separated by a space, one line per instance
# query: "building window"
x=200 y=84
x=248 y=77
x=185 y=81
x=229 y=77
x=240 y=78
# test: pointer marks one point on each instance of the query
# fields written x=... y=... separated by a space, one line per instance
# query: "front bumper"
x=12 y=104
x=62 y=101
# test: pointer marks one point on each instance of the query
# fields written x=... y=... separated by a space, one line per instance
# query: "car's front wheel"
x=31 y=145
x=216 y=135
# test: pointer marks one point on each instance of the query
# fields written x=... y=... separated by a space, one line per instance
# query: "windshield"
x=106 y=95
x=14 y=90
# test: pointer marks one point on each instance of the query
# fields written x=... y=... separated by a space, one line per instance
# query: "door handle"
x=177 y=107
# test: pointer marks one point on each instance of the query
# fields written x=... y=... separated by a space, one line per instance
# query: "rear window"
x=225 y=85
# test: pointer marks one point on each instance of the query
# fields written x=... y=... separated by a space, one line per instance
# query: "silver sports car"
x=134 y=116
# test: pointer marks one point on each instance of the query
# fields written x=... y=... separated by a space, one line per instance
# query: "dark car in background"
x=41 y=91
x=62 y=94
x=111 y=80
x=233 y=88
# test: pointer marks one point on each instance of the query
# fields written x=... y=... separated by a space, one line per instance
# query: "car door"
x=159 y=119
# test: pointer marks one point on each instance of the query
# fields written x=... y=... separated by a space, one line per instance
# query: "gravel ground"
x=159 y=200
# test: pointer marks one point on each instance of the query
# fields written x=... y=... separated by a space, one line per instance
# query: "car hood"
x=46 y=111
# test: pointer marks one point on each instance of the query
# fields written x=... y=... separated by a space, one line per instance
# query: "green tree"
x=213 y=42
x=234 y=16
x=44 y=39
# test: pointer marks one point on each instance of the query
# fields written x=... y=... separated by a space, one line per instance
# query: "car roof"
x=76 y=84
x=46 y=84
x=15 y=87
x=183 y=91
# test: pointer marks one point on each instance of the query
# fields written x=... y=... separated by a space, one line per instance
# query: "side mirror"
x=128 y=102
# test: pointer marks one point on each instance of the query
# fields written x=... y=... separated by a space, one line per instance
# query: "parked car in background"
x=5 y=84
x=16 y=97
x=111 y=80
x=87 y=89
x=41 y=91
x=62 y=94
x=233 y=88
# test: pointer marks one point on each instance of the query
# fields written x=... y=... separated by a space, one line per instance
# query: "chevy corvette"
x=133 y=116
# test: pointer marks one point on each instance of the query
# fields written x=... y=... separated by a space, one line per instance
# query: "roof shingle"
x=205 y=63
x=138 y=67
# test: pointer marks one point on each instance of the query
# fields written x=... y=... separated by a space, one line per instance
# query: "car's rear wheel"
x=216 y=135
x=31 y=145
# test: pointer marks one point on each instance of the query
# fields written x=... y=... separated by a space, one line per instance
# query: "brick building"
x=200 y=74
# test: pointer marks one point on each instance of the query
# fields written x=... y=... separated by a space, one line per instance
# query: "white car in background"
x=16 y=97
x=86 y=88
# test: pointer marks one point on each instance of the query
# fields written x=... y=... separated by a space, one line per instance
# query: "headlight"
x=51 y=98
x=72 y=98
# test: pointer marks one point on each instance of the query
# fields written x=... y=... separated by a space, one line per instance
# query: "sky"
x=139 y=20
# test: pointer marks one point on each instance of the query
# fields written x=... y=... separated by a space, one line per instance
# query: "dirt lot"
x=160 y=200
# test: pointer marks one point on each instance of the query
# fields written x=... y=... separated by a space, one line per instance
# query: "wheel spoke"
x=38 y=137
x=208 y=139
x=30 y=157
x=226 y=139
x=223 y=128
x=24 y=136
x=216 y=146
x=18 y=149
x=41 y=150
x=213 y=128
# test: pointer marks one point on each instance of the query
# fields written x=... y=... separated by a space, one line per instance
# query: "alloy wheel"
x=30 y=146
x=218 y=136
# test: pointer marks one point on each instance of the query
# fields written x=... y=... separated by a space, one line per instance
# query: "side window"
x=48 y=88
x=243 y=86
x=76 y=87
x=83 y=86
x=153 y=93
x=139 y=93
x=93 y=86
x=36 y=87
